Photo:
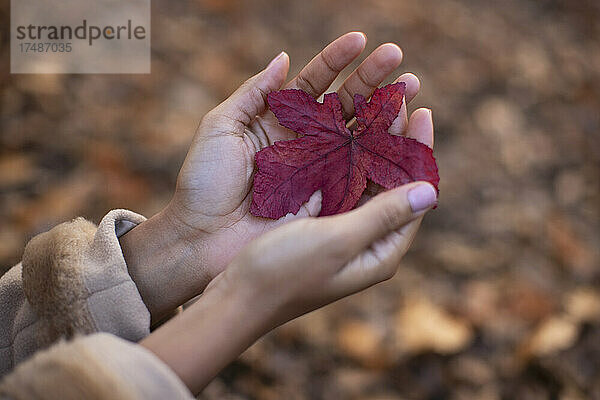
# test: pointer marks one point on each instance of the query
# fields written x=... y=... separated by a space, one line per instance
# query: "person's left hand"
x=288 y=272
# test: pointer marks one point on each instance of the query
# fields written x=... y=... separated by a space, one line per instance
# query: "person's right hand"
x=311 y=262
x=287 y=272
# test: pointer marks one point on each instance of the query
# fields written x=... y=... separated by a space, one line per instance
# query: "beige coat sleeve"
x=72 y=280
x=97 y=367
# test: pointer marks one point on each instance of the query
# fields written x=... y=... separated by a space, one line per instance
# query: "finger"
x=399 y=125
x=413 y=85
x=322 y=70
x=369 y=74
x=420 y=126
x=250 y=99
x=385 y=254
x=378 y=263
x=311 y=208
x=385 y=213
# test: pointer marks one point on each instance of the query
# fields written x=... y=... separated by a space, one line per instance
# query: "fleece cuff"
x=99 y=366
x=77 y=282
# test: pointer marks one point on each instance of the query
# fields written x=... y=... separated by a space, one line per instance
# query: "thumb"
x=250 y=99
x=385 y=213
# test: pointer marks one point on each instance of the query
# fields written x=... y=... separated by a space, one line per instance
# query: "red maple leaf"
x=330 y=157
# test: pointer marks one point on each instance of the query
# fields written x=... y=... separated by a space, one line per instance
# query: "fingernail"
x=422 y=197
x=277 y=57
x=364 y=35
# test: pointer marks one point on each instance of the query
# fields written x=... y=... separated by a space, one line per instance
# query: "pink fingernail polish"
x=422 y=197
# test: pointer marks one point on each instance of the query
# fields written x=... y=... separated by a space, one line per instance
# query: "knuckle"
x=384 y=270
x=211 y=122
x=391 y=216
x=390 y=274
x=329 y=62
x=213 y=118
x=305 y=84
x=260 y=93
x=364 y=78
x=257 y=97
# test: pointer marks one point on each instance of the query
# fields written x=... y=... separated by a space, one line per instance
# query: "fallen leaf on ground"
x=424 y=326
x=363 y=342
x=552 y=335
x=583 y=305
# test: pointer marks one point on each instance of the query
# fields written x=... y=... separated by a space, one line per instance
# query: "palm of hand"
x=214 y=186
x=216 y=179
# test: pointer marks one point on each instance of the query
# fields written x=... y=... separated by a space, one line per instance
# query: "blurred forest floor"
x=499 y=297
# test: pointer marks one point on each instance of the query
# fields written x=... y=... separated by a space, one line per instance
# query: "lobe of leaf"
x=327 y=156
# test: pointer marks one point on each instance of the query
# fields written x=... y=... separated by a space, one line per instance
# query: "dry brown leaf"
x=481 y=301
x=61 y=202
x=383 y=396
x=423 y=326
x=362 y=341
x=16 y=169
x=569 y=246
x=552 y=335
x=460 y=255
x=583 y=304
x=474 y=370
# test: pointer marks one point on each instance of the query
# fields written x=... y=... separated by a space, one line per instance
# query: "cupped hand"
x=287 y=272
x=311 y=262
x=213 y=193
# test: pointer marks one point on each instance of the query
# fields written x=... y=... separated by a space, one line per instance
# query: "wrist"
x=208 y=335
x=165 y=263
x=261 y=301
x=216 y=240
